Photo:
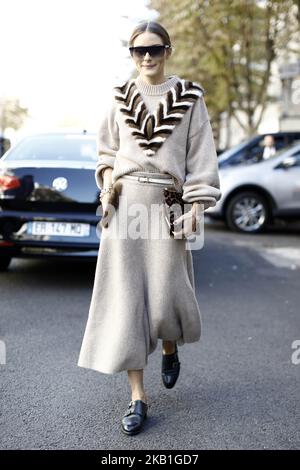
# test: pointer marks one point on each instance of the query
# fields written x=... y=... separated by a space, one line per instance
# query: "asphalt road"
x=238 y=387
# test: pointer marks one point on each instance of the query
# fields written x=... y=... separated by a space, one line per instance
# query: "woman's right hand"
x=105 y=207
x=106 y=172
x=104 y=201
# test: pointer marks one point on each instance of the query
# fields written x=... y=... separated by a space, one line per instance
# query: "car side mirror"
x=287 y=162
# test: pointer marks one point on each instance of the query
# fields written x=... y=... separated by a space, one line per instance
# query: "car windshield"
x=225 y=155
x=69 y=147
x=245 y=155
x=283 y=150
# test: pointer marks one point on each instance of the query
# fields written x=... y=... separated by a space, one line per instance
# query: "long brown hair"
x=153 y=27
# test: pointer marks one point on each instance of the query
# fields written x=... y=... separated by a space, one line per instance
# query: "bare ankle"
x=168 y=347
x=139 y=396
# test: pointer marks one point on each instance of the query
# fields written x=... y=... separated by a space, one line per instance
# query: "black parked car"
x=251 y=150
x=49 y=201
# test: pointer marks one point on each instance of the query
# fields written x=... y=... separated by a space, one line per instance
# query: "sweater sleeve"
x=202 y=182
x=107 y=142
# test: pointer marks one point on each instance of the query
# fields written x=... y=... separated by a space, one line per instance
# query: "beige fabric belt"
x=150 y=179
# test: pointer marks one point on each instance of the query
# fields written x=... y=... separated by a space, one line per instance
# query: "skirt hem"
x=111 y=371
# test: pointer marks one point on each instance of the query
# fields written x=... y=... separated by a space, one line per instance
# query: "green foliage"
x=12 y=114
x=228 y=46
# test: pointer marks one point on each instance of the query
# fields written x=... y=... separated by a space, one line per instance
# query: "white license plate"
x=65 y=229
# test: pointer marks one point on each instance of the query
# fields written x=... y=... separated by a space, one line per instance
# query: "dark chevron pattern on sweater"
x=151 y=129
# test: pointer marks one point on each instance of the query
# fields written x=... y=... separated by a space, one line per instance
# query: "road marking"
x=282 y=257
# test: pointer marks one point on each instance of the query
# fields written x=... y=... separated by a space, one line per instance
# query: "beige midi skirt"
x=143 y=286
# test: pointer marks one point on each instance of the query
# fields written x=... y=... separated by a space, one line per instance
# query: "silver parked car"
x=253 y=195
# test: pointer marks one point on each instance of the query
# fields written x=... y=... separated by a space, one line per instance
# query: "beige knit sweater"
x=161 y=128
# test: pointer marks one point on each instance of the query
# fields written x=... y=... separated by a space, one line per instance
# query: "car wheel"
x=247 y=212
x=4 y=262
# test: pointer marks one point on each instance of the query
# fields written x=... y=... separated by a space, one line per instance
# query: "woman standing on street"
x=156 y=134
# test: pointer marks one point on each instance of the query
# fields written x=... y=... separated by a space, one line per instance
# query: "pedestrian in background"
x=269 y=147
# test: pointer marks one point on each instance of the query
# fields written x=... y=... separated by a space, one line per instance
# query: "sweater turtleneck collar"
x=148 y=89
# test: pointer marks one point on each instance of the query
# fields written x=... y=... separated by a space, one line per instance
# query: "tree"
x=229 y=46
x=12 y=114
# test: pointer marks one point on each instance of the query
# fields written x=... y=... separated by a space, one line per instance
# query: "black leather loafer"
x=134 y=417
x=170 y=368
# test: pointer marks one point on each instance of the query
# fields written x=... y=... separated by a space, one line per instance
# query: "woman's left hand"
x=189 y=220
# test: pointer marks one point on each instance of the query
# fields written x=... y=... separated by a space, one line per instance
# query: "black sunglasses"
x=155 y=51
